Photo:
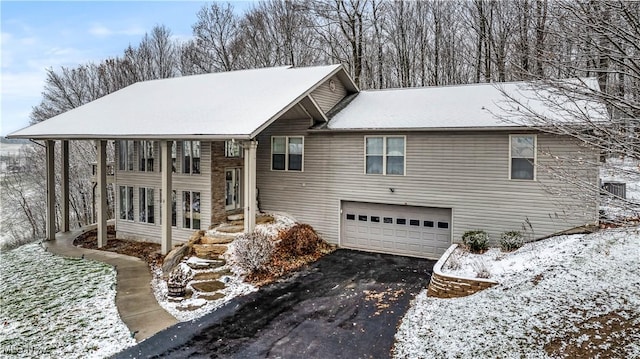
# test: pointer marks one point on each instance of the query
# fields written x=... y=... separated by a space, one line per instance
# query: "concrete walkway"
x=136 y=303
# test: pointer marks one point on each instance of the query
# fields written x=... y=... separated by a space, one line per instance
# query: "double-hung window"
x=287 y=153
x=191 y=157
x=145 y=156
x=522 y=155
x=191 y=210
x=145 y=205
x=126 y=203
x=125 y=155
x=385 y=155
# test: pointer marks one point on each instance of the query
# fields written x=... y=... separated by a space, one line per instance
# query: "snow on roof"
x=464 y=106
x=231 y=104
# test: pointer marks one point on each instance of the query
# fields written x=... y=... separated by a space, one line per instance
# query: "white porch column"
x=166 y=200
x=101 y=194
x=250 y=186
x=64 y=224
x=51 y=189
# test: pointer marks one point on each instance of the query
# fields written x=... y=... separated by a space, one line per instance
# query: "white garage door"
x=405 y=230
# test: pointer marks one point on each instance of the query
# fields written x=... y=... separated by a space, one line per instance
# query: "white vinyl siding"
x=327 y=96
x=522 y=157
x=465 y=171
x=287 y=153
x=385 y=155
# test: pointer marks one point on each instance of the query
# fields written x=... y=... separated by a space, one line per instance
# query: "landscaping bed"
x=149 y=252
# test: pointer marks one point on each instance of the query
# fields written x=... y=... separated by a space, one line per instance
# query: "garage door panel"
x=406 y=230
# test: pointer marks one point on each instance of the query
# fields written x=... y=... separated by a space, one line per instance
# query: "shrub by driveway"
x=348 y=304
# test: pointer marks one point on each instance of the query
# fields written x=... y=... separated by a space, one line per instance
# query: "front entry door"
x=232 y=192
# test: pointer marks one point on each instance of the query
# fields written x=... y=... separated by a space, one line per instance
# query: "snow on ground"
x=627 y=171
x=55 y=307
x=554 y=296
x=234 y=281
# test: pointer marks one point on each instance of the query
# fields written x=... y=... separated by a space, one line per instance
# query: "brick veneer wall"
x=219 y=163
x=449 y=286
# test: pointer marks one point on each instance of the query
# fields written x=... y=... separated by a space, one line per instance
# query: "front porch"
x=224 y=184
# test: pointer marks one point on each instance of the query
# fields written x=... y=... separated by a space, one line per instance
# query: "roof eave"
x=212 y=137
x=425 y=129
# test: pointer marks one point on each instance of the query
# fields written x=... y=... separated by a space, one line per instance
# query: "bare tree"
x=216 y=33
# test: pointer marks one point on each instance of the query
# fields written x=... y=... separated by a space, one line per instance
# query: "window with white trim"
x=126 y=203
x=232 y=149
x=287 y=153
x=191 y=210
x=191 y=157
x=522 y=155
x=125 y=155
x=385 y=155
x=145 y=156
x=146 y=206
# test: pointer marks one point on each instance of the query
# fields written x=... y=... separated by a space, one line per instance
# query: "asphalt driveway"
x=346 y=305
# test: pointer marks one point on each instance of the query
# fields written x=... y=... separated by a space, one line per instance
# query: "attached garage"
x=396 y=229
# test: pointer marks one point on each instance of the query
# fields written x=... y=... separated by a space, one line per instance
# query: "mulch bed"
x=148 y=252
x=296 y=248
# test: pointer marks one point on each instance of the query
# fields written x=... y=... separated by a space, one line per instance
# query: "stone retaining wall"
x=450 y=286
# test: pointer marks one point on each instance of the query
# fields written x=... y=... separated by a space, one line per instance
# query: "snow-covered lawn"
x=567 y=296
x=55 y=307
x=626 y=171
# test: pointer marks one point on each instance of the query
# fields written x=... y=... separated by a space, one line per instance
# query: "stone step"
x=209 y=251
x=226 y=228
x=214 y=296
x=208 y=276
x=217 y=239
x=205 y=263
x=208 y=287
x=235 y=217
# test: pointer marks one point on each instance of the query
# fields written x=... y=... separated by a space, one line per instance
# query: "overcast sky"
x=37 y=35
